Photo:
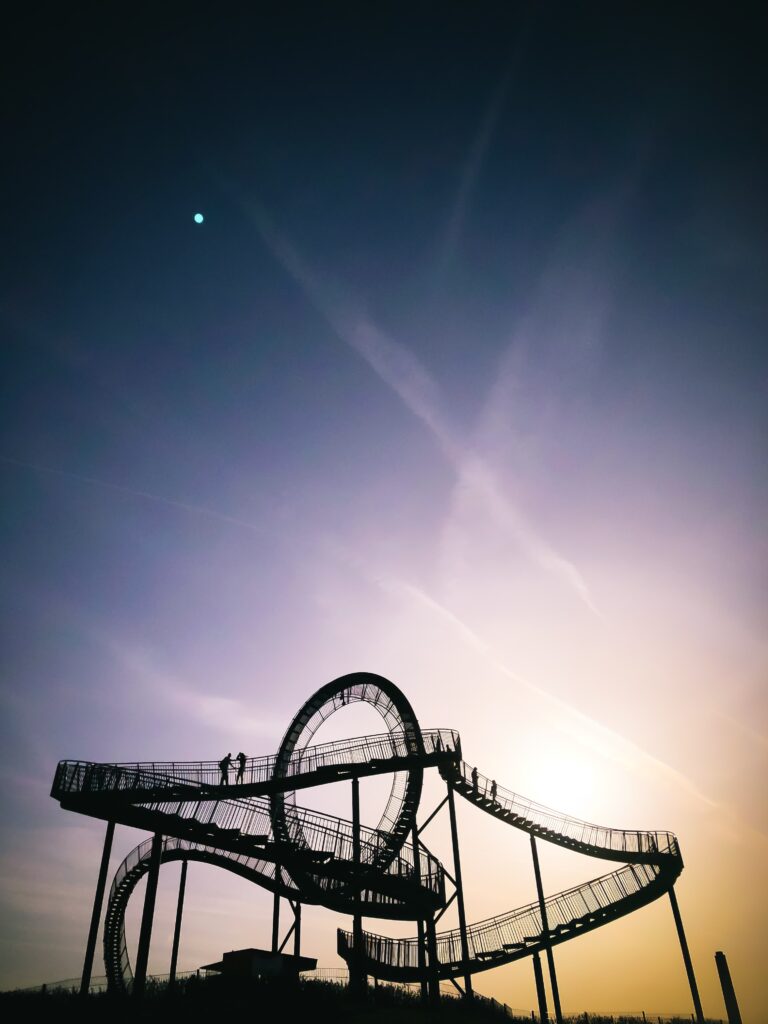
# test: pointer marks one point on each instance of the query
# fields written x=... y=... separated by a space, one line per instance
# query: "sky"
x=461 y=380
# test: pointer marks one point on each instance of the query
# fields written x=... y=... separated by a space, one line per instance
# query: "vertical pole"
x=177 y=928
x=422 y=960
x=434 y=976
x=297 y=930
x=686 y=957
x=460 y=895
x=357 y=978
x=729 y=995
x=545 y=930
x=276 y=909
x=419 y=922
x=541 y=992
x=142 y=957
x=98 y=899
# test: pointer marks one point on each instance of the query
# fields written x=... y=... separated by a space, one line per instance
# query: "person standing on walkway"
x=474 y=781
x=493 y=791
x=224 y=764
x=241 y=759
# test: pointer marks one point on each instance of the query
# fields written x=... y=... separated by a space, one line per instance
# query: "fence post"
x=729 y=994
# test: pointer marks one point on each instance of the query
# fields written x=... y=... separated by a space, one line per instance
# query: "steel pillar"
x=142 y=957
x=459 y=895
x=434 y=976
x=545 y=932
x=98 y=899
x=541 y=992
x=419 y=922
x=686 y=957
x=357 y=977
x=177 y=927
x=729 y=995
x=297 y=929
x=422 y=961
x=276 y=909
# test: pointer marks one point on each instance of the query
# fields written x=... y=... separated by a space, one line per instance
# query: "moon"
x=199 y=218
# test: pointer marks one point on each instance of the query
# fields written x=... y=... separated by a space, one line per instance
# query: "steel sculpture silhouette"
x=259 y=831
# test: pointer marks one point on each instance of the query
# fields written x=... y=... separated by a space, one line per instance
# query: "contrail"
x=608 y=742
x=471 y=170
x=403 y=373
x=199 y=510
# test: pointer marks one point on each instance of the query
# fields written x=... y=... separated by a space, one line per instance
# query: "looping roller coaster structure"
x=257 y=830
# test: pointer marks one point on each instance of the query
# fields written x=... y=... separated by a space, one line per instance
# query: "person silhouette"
x=493 y=791
x=474 y=781
x=224 y=764
x=241 y=759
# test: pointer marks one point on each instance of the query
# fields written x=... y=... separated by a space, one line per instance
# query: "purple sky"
x=462 y=381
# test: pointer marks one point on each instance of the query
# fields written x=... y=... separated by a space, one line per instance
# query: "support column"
x=98 y=899
x=686 y=957
x=419 y=922
x=177 y=928
x=276 y=909
x=357 y=977
x=422 y=961
x=297 y=929
x=545 y=931
x=541 y=992
x=460 y=895
x=142 y=957
x=434 y=976
x=729 y=995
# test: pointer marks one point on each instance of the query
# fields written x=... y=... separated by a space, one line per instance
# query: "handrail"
x=655 y=864
x=519 y=932
x=563 y=826
x=243 y=822
x=306 y=760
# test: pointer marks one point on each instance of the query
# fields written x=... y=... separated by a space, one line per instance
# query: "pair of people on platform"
x=226 y=763
x=494 y=787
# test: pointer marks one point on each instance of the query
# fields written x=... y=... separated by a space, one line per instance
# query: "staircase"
x=652 y=863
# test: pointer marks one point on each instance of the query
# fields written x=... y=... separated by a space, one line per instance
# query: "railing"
x=584 y=833
x=499 y=937
x=73 y=776
x=134 y=865
x=247 y=824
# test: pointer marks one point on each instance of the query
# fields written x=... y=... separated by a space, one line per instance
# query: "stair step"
x=493 y=954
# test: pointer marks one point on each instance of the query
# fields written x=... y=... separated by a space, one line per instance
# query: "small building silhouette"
x=243 y=964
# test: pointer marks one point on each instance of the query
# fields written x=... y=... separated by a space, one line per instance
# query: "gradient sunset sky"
x=462 y=381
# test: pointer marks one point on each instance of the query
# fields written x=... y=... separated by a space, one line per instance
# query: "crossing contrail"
x=401 y=370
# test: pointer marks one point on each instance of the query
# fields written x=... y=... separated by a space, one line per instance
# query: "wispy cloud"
x=581 y=727
x=227 y=715
x=471 y=171
x=401 y=370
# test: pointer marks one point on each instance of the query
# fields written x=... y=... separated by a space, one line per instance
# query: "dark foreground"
x=207 y=1000
x=196 y=1000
